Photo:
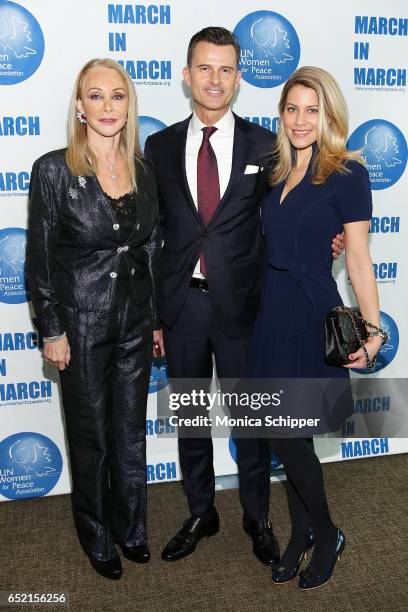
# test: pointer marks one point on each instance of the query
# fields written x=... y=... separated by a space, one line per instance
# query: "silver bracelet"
x=376 y=332
x=50 y=339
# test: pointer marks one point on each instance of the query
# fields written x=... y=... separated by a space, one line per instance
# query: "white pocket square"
x=250 y=169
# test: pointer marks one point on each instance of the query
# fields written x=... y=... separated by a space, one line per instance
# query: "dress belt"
x=299 y=271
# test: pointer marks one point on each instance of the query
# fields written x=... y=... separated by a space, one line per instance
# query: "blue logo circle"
x=388 y=350
x=30 y=465
x=13 y=283
x=232 y=445
x=158 y=375
x=147 y=127
x=270 y=48
x=384 y=150
x=21 y=43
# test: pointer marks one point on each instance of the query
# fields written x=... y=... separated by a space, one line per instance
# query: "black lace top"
x=125 y=208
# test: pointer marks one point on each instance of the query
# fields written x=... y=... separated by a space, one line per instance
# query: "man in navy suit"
x=210 y=181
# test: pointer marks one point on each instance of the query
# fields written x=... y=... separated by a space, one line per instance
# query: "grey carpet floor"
x=368 y=498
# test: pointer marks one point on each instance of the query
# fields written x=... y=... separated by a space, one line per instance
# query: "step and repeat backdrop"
x=43 y=45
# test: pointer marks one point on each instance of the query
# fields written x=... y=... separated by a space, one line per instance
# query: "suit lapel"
x=179 y=161
x=239 y=150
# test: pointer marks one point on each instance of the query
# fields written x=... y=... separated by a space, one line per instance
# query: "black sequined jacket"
x=73 y=252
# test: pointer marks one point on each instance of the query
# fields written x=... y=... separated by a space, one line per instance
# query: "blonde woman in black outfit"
x=92 y=258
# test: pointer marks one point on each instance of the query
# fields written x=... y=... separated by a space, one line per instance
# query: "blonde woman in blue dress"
x=319 y=188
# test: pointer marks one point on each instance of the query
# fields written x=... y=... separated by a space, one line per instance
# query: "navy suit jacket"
x=232 y=243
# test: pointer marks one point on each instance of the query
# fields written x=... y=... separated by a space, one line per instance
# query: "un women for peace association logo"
x=13 y=286
x=384 y=150
x=21 y=43
x=270 y=48
x=30 y=465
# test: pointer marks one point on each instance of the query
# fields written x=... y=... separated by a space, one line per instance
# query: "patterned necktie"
x=208 y=184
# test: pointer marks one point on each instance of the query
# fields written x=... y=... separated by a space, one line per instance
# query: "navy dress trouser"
x=190 y=345
x=104 y=392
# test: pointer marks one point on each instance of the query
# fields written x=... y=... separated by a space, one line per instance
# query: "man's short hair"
x=216 y=36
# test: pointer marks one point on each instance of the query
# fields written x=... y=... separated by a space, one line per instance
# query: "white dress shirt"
x=222 y=142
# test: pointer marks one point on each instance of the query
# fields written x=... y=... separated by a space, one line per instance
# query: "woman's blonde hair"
x=332 y=128
x=79 y=157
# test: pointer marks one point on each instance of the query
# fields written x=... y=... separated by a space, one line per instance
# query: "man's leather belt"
x=199 y=283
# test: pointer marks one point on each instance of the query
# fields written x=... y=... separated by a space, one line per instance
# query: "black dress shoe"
x=185 y=541
x=265 y=545
x=137 y=554
x=111 y=569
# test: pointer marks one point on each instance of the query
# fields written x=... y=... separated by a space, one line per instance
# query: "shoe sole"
x=285 y=581
x=314 y=587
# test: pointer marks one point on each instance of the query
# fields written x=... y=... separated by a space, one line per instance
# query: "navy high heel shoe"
x=311 y=579
x=286 y=574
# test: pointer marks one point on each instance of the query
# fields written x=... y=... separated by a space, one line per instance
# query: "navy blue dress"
x=298 y=288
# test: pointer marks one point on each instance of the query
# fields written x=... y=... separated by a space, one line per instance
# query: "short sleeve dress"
x=298 y=291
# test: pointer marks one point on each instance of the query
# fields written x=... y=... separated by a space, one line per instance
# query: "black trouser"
x=104 y=393
x=307 y=500
x=190 y=345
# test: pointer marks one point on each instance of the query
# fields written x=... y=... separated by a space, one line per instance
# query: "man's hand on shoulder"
x=338 y=245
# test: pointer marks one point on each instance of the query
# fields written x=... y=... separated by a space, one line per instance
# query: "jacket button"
x=125 y=248
x=113 y=274
x=132 y=271
x=119 y=249
x=116 y=226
